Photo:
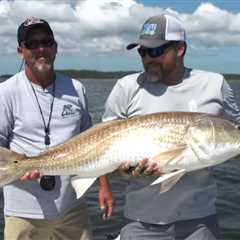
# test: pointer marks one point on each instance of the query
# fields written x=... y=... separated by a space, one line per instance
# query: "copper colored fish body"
x=174 y=140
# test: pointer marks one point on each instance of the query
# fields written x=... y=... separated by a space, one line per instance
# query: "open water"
x=227 y=177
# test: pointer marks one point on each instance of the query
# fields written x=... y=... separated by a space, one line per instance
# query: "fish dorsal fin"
x=81 y=185
x=168 y=180
x=167 y=156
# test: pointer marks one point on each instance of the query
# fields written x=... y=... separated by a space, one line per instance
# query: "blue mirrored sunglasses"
x=154 y=52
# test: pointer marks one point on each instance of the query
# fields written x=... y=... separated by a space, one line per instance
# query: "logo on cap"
x=32 y=20
x=149 y=29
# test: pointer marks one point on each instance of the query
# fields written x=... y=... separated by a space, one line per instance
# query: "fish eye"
x=238 y=126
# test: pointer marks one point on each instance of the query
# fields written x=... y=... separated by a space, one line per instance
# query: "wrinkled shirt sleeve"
x=6 y=120
x=230 y=106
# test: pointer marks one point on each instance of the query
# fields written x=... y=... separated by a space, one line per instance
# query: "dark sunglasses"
x=34 y=44
x=154 y=52
x=47 y=183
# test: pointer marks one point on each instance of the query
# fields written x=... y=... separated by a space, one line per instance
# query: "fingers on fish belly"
x=156 y=165
x=143 y=168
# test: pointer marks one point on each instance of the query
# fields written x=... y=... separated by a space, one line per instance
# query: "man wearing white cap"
x=187 y=211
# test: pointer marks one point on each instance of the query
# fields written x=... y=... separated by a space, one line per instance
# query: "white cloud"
x=212 y=26
x=109 y=25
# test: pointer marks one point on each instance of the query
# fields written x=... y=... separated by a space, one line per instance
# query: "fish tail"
x=10 y=169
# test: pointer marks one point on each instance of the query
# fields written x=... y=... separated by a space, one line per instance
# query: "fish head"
x=214 y=140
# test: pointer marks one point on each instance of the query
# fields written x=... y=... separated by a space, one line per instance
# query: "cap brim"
x=147 y=43
x=40 y=26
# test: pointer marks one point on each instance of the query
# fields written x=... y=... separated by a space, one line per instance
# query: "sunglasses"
x=154 y=52
x=34 y=44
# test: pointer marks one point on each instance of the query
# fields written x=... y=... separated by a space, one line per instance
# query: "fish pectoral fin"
x=167 y=156
x=81 y=185
x=168 y=180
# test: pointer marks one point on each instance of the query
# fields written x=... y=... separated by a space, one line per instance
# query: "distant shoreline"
x=232 y=76
x=93 y=74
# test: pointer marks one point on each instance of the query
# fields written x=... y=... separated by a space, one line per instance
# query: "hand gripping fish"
x=178 y=142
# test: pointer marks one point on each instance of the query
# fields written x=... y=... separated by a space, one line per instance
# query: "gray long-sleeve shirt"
x=199 y=91
x=22 y=130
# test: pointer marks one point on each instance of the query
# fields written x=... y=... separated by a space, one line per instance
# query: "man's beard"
x=152 y=78
x=43 y=67
x=154 y=75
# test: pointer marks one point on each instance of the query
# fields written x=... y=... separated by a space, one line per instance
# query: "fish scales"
x=174 y=140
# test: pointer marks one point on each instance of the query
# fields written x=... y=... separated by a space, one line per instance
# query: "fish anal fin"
x=81 y=185
x=168 y=180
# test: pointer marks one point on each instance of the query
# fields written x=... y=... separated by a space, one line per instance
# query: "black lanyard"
x=46 y=126
x=47 y=183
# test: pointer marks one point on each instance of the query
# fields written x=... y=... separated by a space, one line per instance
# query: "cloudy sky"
x=93 y=34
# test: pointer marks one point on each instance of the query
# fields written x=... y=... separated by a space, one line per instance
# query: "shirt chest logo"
x=68 y=110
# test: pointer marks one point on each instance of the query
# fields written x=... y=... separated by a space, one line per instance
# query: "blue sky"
x=93 y=34
x=188 y=6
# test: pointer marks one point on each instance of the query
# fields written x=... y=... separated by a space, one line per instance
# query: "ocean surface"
x=227 y=177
